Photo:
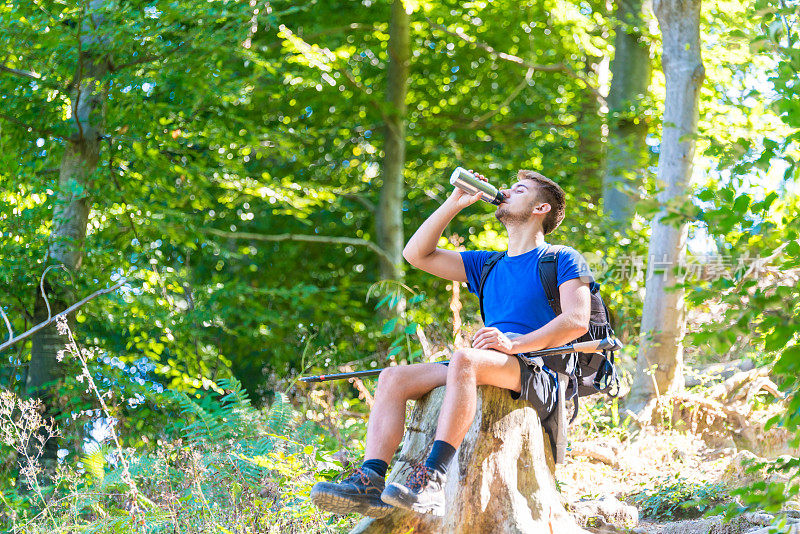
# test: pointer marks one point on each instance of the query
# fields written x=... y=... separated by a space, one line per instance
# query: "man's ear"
x=542 y=208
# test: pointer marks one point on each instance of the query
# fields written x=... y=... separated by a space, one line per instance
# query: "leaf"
x=419 y=297
x=383 y=300
x=706 y=195
x=741 y=204
x=94 y=463
x=388 y=327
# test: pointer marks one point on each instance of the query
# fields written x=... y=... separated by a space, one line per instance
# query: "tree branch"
x=360 y=199
x=465 y=123
x=32 y=75
x=21 y=73
x=355 y=83
x=56 y=316
x=44 y=132
x=328 y=64
x=494 y=53
x=554 y=67
x=148 y=58
x=517 y=90
x=302 y=237
x=337 y=29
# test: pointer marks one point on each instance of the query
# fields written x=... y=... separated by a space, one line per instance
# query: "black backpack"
x=588 y=373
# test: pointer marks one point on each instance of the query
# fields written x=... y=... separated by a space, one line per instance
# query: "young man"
x=518 y=320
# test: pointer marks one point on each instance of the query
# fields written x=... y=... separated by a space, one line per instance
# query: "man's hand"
x=462 y=199
x=492 y=338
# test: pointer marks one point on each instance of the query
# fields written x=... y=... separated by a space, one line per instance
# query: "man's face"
x=520 y=203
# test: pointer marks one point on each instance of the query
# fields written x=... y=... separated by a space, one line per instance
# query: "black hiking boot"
x=423 y=492
x=358 y=493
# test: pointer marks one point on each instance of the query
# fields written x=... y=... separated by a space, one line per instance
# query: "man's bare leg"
x=468 y=369
x=361 y=491
x=396 y=386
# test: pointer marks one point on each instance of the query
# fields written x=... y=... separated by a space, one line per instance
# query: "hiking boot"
x=423 y=492
x=358 y=493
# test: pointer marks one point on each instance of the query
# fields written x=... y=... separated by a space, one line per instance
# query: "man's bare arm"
x=421 y=250
x=571 y=324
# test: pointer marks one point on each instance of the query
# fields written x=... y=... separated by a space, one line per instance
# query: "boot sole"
x=344 y=504
x=398 y=497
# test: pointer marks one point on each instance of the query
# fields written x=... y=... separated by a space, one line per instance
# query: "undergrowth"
x=678 y=498
x=224 y=466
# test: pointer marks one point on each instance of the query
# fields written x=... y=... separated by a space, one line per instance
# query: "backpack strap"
x=491 y=262
x=548 y=274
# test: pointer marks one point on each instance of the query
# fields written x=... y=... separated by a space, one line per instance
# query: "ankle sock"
x=379 y=466
x=440 y=456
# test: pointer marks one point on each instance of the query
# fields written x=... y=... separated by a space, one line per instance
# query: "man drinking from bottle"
x=518 y=320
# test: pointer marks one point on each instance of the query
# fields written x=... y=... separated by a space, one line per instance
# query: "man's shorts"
x=539 y=387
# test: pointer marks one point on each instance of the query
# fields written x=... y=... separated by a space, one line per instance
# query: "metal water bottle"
x=471 y=184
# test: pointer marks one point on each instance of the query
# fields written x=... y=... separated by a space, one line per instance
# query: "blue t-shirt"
x=513 y=297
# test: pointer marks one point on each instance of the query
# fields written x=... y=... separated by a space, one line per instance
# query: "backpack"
x=588 y=373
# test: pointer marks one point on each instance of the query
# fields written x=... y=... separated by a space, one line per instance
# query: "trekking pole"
x=596 y=345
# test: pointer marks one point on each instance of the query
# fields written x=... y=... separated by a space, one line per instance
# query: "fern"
x=279 y=417
x=205 y=427
x=94 y=463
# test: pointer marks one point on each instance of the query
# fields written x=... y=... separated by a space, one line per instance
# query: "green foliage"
x=677 y=498
x=401 y=328
x=605 y=419
x=228 y=130
x=229 y=467
x=209 y=142
x=760 y=302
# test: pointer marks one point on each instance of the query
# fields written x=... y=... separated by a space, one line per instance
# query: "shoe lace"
x=358 y=475
x=419 y=477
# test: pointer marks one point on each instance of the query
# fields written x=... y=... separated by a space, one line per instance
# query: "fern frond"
x=237 y=396
x=95 y=463
x=205 y=427
x=279 y=416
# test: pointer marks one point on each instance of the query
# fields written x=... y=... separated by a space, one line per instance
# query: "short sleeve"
x=571 y=264
x=473 y=263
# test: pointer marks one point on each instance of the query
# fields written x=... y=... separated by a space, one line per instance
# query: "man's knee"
x=389 y=379
x=464 y=360
x=396 y=381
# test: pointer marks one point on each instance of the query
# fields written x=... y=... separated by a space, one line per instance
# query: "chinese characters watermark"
x=698 y=267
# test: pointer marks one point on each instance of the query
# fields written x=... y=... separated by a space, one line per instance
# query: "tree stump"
x=501 y=479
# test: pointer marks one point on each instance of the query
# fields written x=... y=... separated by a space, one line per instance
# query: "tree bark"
x=663 y=322
x=591 y=146
x=389 y=217
x=71 y=208
x=501 y=480
x=626 y=150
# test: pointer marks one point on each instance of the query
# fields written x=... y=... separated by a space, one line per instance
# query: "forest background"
x=248 y=172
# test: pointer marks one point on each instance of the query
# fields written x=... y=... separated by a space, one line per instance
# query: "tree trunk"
x=589 y=126
x=663 y=323
x=626 y=156
x=71 y=207
x=389 y=217
x=501 y=479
